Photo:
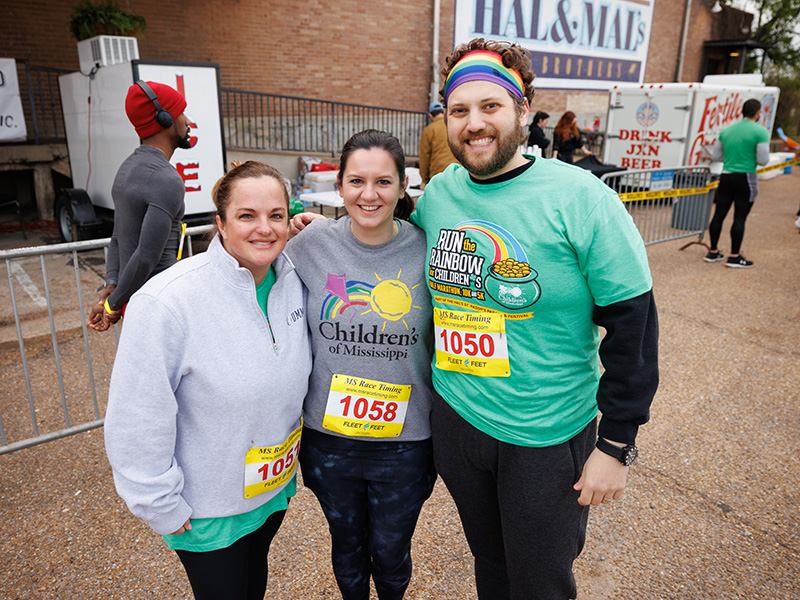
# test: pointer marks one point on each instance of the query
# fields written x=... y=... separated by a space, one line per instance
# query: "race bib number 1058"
x=366 y=408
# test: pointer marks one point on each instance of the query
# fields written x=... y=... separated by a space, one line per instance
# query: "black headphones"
x=163 y=117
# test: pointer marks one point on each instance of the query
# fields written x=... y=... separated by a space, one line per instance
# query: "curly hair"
x=513 y=55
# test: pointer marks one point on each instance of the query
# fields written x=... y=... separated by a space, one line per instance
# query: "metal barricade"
x=42 y=104
x=259 y=121
x=53 y=343
x=666 y=204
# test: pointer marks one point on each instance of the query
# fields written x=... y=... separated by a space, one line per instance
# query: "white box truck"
x=665 y=125
x=100 y=137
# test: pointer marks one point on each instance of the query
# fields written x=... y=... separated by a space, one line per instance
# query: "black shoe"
x=714 y=257
x=739 y=262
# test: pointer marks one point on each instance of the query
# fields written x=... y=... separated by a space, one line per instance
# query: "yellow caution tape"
x=635 y=196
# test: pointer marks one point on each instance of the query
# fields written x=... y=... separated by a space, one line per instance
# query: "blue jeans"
x=371 y=494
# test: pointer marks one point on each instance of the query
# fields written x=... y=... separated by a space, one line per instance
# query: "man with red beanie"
x=148 y=199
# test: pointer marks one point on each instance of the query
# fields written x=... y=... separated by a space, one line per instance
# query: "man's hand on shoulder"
x=300 y=221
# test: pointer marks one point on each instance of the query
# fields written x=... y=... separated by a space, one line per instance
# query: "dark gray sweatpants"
x=520 y=514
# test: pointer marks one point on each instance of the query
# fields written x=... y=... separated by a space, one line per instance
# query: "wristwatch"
x=626 y=455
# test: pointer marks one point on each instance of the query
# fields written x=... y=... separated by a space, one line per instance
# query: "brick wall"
x=374 y=52
x=665 y=41
x=700 y=27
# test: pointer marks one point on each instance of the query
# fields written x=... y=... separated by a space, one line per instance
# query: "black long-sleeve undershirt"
x=629 y=353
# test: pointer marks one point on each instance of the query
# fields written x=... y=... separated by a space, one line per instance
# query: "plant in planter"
x=103 y=18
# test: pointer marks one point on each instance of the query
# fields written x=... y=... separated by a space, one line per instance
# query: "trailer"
x=665 y=125
x=100 y=138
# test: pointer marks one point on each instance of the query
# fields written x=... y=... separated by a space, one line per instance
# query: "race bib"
x=268 y=468
x=471 y=342
x=366 y=408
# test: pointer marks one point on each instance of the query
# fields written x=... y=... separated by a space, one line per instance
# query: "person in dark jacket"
x=536 y=137
x=148 y=196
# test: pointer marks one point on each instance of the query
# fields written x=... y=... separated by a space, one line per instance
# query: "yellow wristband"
x=108 y=308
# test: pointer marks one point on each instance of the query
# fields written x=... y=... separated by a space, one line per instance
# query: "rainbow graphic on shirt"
x=505 y=245
x=389 y=298
x=509 y=279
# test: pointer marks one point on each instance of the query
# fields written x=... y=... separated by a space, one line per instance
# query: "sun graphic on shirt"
x=389 y=298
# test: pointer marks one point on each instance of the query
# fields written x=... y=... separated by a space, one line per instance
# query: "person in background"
x=567 y=139
x=434 y=152
x=204 y=415
x=366 y=451
x=741 y=147
x=148 y=199
x=526 y=260
x=536 y=136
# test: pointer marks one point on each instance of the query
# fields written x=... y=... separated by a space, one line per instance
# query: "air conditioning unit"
x=106 y=50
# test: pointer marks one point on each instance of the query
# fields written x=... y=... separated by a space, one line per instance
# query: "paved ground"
x=710 y=512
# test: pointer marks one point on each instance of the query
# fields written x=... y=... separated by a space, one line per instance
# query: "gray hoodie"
x=201 y=377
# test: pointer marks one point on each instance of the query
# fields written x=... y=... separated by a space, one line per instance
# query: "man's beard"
x=507 y=144
x=185 y=143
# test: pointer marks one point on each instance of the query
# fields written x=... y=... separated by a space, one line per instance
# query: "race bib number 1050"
x=470 y=342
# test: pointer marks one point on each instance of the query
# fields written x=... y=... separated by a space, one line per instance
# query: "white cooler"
x=321 y=181
x=774 y=159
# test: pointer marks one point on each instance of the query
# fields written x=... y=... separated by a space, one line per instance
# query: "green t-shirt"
x=576 y=247
x=220 y=532
x=263 y=288
x=739 y=142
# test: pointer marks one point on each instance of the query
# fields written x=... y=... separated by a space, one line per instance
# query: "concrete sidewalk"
x=712 y=503
x=709 y=514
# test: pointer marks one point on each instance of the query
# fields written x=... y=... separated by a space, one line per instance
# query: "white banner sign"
x=202 y=165
x=573 y=44
x=12 y=119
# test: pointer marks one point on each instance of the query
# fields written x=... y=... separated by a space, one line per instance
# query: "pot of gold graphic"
x=512 y=284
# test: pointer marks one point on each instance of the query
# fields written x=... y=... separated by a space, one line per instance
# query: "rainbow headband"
x=482 y=65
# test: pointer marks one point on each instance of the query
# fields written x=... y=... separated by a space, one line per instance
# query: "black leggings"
x=739 y=190
x=371 y=493
x=238 y=572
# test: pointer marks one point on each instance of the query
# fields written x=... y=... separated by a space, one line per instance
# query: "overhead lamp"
x=734 y=54
x=717 y=7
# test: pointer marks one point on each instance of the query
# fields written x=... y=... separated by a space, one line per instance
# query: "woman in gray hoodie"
x=204 y=416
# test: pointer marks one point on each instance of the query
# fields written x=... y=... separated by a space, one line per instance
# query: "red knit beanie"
x=142 y=112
